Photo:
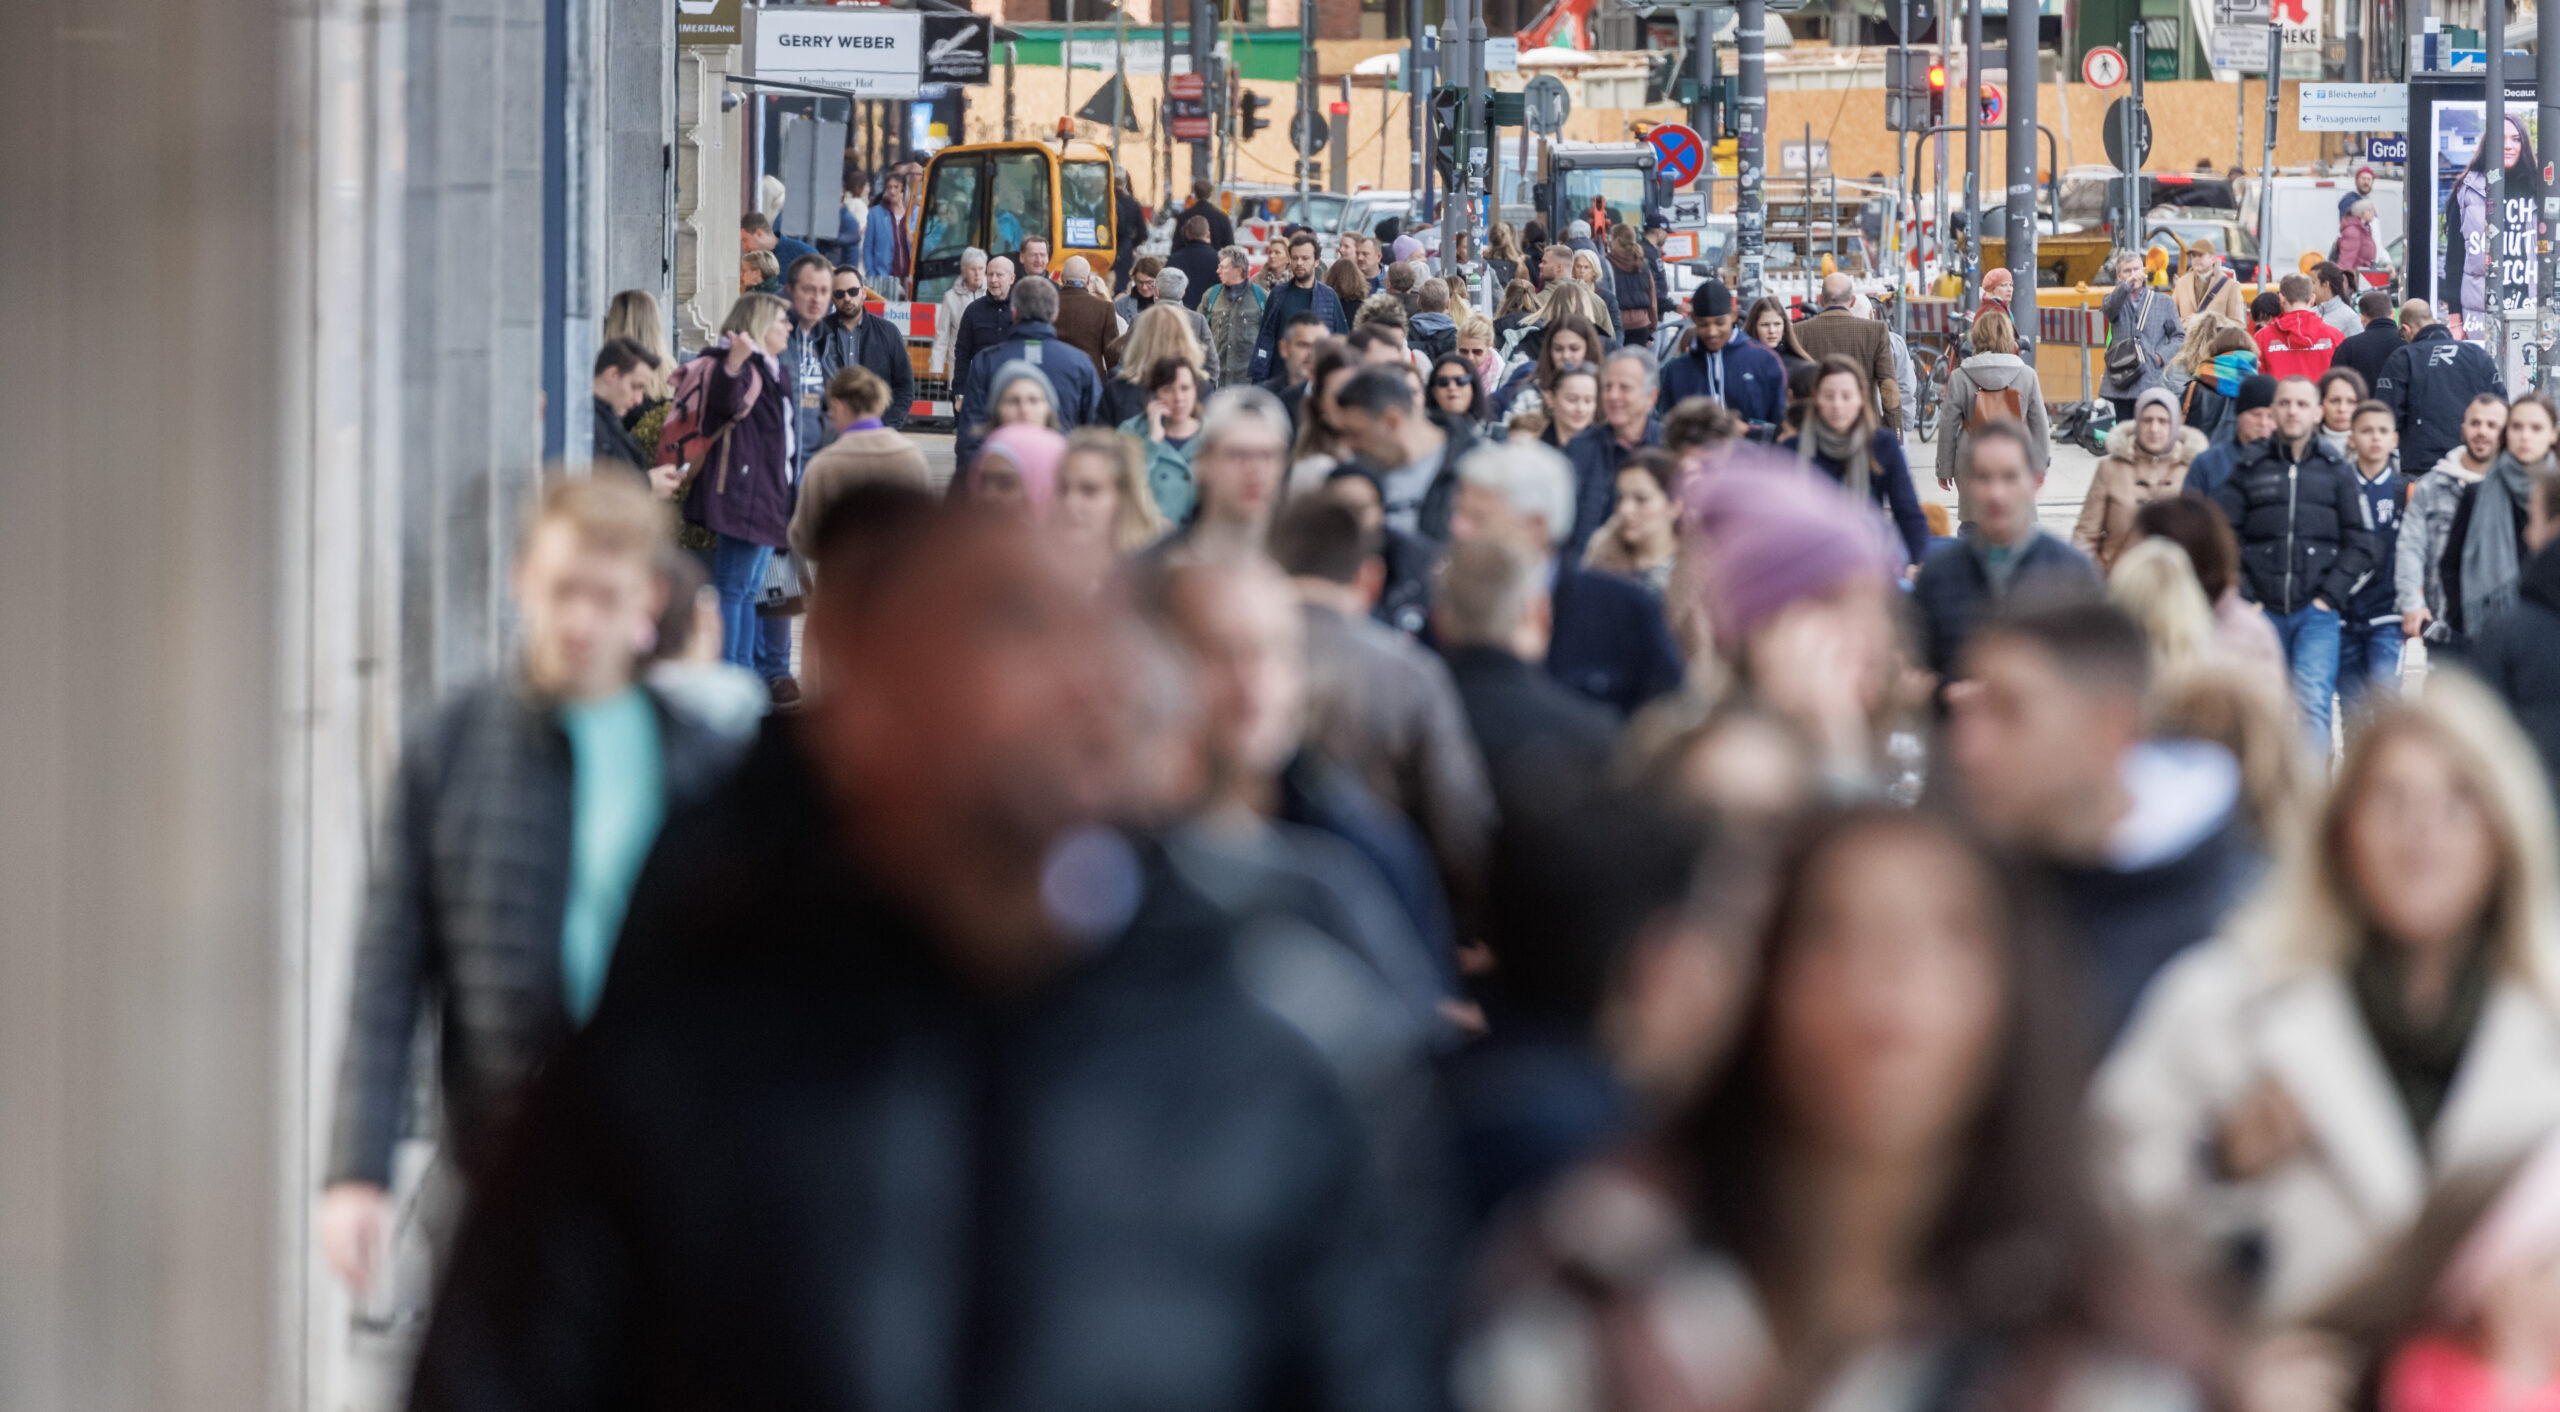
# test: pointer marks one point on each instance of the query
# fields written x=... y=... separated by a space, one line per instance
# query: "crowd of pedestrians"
x=1360 y=856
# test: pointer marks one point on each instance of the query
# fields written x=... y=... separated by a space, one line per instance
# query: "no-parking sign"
x=1677 y=153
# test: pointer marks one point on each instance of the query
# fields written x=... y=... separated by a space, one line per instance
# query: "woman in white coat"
x=2386 y=1015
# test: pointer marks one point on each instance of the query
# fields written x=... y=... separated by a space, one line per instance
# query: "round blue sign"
x=1677 y=153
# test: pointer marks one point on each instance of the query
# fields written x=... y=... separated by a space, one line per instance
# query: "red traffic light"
x=1938 y=77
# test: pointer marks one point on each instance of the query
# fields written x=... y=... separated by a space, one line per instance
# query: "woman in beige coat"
x=2145 y=461
x=2383 y=1018
x=864 y=449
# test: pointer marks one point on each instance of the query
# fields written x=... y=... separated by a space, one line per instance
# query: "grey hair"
x=1641 y=357
x=1034 y=300
x=1530 y=475
x=2363 y=209
x=2116 y=260
x=1232 y=407
x=1172 y=283
x=1579 y=230
x=972 y=256
x=1485 y=589
x=1237 y=256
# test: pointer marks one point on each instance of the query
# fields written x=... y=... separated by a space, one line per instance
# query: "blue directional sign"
x=1678 y=155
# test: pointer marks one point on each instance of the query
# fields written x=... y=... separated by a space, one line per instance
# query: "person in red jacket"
x=2297 y=342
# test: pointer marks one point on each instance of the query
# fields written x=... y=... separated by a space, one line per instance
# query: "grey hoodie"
x=1990 y=371
x=2417 y=571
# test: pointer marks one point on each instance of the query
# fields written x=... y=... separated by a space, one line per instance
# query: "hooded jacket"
x=2126 y=480
x=2297 y=343
x=2428 y=382
x=1752 y=381
x=2301 y=525
x=2426 y=526
x=2005 y=371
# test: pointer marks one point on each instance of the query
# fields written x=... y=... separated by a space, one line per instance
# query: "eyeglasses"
x=1452 y=382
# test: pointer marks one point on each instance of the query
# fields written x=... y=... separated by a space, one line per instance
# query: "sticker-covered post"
x=1751 y=142
x=2546 y=29
x=2493 y=172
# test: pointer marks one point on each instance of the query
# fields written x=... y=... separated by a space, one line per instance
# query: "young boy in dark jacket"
x=2369 y=638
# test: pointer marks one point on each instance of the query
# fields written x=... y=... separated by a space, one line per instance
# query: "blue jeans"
x=2310 y=638
x=773 y=647
x=2368 y=657
x=737 y=574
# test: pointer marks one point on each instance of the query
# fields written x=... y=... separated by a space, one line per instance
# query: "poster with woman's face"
x=2466 y=268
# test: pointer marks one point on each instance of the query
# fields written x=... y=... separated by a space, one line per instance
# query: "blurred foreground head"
x=2038 y=730
x=1235 y=620
x=587 y=586
x=965 y=720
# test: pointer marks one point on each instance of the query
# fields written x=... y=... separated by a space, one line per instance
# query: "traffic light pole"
x=1453 y=57
x=1971 y=98
x=1751 y=142
x=1202 y=24
x=2547 y=334
x=2024 y=69
x=1306 y=98
x=1417 y=89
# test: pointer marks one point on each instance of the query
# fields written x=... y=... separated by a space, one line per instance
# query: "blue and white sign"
x=2386 y=149
x=2353 y=107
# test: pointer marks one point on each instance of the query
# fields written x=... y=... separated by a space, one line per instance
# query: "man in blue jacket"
x=887 y=261
x=1737 y=373
x=1301 y=293
x=1627 y=425
x=2004 y=556
x=1034 y=340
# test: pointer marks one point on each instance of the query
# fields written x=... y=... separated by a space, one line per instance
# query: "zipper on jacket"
x=2292 y=479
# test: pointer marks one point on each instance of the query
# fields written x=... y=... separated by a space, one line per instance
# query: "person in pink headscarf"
x=1017 y=470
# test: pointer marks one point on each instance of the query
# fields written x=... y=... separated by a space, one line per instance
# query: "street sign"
x=1995 y=103
x=1548 y=104
x=2114 y=133
x=2354 y=107
x=1792 y=157
x=1182 y=86
x=1505 y=110
x=1677 y=152
x=1307 y=132
x=2103 y=67
x=2386 y=149
x=1338 y=108
x=1688 y=210
x=1502 y=56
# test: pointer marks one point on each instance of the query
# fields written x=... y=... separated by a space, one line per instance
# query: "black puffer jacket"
x=2428 y=383
x=2301 y=525
x=2519 y=656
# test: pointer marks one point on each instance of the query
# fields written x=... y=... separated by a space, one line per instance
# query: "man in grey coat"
x=2146 y=317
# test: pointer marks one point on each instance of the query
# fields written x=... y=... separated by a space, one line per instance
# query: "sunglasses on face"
x=842 y=295
x=1451 y=382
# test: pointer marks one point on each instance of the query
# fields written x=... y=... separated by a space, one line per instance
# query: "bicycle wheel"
x=1924 y=366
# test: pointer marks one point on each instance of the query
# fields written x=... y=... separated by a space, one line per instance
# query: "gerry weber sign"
x=875 y=53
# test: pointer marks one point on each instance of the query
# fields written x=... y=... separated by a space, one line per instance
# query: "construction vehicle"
x=1599 y=182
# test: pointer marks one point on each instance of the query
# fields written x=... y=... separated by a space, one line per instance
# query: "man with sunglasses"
x=856 y=335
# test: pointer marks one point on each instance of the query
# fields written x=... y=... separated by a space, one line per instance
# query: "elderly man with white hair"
x=964 y=291
x=1608 y=640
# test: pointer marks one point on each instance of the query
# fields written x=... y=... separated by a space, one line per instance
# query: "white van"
x=2306 y=217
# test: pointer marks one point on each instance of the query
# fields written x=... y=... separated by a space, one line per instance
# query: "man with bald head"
x=905 y=928
x=985 y=323
x=2429 y=382
x=1838 y=332
x=1086 y=320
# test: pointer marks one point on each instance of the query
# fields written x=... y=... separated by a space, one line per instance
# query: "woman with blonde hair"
x=1992 y=384
x=1104 y=510
x=1593 y=275
x=741 y=490
x=633 y=314
x=1157 y=333
x=2156 y=587
x=2193 y=353
x=2384 y=1017
x=1502 y=255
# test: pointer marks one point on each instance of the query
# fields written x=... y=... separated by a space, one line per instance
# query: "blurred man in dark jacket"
x=915 y=1087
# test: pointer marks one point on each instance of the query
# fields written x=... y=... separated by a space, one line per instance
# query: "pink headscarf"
x=1035 y=454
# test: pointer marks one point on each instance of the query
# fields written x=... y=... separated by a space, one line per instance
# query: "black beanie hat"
x=1712 y=301
x=2256 y=390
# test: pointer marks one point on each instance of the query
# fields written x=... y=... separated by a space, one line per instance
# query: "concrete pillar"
x=638 y=88
x=709 y=152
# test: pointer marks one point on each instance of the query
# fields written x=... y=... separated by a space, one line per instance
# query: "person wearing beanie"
x=1405 y=248
x=1735 y=373
x=2002 y=557
x=2146 y=460
x=2253 y=420
x=1793 y=570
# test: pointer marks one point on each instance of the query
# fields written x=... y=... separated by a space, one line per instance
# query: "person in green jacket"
x=1167 y=429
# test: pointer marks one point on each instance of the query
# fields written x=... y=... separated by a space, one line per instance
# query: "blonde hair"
x=2156 y=586
x=762 y=262
x=753 y=314
x=633 y=314
x=2198 y=347
x=1161 y=332
x=2311 y=914
x=1138 y=523
x=612 y=511
x=860 y=390
x=1573 y=297
x=1475 y=326
x=1583 y=257
x=1993 y=333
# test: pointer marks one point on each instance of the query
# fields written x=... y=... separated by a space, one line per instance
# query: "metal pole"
x=2023 y=73
x=2267 y=164
x=1341 y=176
x=1306 y=99
x=1972 y=98
x=2546 y=30
x=1417 y=89
x=1804 y=262
x=1067 y=61
x=1009 y=57
x=1483 y=179
x=2493 y=170
x=1453 y=56
x=1119 y=82
x=2129 y=138
x=1203 y=23
x=1901 y=173
x=2239 y=119
x=1751 y=141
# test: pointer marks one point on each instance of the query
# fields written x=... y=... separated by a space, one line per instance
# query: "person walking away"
x=865 y=449
x=1736 y=373
x=887 y=256
x=1195 y=253
x=2430 y=382
x=1842 y=439
x=2141 y=840
x=1130 y=219
x=2143 y=333
x=1608 y=639
x=1992 y=385
x=2194 y=354
x=1491 y=619
x=1628 y=424
x=2518 y=656
x=624 y=373
x=1301 y=293
x=2000 y=554
x=984 y=324
x=2341 y=393
x=2485 y=544
x=1631 y=279
x=2369 y=640
x=968 y=289
x=2367 y=1033
x=2208 y=286
x=1168 y=427
x=2357 y=249
x=2369 y=347
x=2211 y=404
x=2146 y=460
x=2427 y=524
x=2337 y=291
x=517 y=821
x=2297 y=342
x=1431 y=332
x=1072 y=378
x=2303 y=545
x=1086 y=320
x=1204 y=204
x=1171 y=285
x=1837 y=332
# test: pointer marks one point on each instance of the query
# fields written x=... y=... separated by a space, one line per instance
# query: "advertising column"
x=2452 y=262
